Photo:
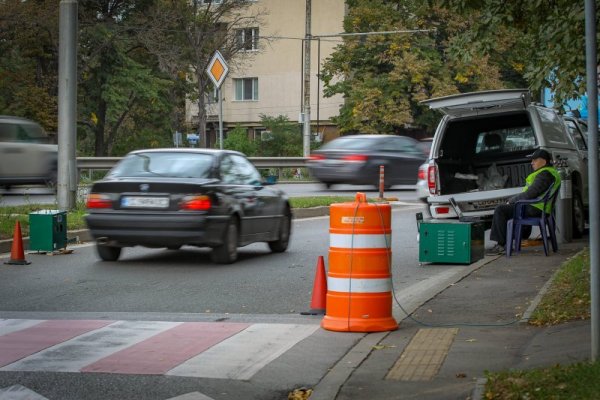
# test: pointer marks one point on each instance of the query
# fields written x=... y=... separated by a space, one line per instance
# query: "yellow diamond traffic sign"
x=217 y=69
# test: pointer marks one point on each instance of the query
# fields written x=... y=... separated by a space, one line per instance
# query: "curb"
x=77 y=236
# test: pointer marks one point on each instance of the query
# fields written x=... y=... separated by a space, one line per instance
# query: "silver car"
x=26 y=156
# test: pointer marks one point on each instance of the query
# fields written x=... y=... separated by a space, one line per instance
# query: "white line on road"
x=247 y=352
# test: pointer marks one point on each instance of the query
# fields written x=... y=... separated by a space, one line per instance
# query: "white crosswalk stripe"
x=192 y=349
x=76 y=353
x=247 y=352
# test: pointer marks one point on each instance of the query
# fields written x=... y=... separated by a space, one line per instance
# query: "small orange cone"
x=319 y=293
x=17 y=255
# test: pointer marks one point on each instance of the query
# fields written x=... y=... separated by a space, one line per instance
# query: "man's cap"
x=541 y=153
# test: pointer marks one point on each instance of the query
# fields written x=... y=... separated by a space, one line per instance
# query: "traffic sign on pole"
x=217 y=69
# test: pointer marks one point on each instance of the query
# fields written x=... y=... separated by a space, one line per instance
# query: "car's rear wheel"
x=226 y=253
x=285 y=227
x=578 y=215
x=108 y=253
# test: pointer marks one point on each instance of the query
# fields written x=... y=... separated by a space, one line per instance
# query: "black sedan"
x=356 y=159
x=175 y=197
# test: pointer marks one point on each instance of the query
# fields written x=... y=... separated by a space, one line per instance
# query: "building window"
x=246 y=89
x=247 y=38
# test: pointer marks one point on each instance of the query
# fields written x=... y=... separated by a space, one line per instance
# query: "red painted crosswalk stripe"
x=164 y=351
x=17 y=345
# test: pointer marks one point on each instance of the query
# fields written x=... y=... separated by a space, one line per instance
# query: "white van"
x=479 y=152
x=26 y=156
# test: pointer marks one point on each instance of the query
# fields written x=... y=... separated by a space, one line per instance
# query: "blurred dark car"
x=425 y=144
x=26 y=154
x=356 y=159
x=175 y=197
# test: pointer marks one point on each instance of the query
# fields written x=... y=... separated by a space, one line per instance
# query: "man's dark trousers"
x=502 y=214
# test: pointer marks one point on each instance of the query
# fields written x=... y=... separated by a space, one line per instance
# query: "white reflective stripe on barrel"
x=360 y=241
x=359 y=285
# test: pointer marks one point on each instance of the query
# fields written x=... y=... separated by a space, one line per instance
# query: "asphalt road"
x=160 y=285
x=145 y=280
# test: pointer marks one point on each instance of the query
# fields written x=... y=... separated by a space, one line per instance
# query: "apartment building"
x=269 y=78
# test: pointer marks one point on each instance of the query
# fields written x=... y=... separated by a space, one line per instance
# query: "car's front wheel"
x=226 y=253
x=108 y=253
x=285 y=227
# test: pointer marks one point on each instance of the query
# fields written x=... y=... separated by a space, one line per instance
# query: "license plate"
x=487 y=204
x=144 y=202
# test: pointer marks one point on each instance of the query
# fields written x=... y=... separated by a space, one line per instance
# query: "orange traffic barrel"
x=359 y=282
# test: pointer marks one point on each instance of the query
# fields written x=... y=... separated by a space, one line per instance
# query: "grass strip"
x=572 y=382
x=567 y=299
x=569 y=295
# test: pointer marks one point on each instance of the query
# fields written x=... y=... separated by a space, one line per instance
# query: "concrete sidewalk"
x=444 y=348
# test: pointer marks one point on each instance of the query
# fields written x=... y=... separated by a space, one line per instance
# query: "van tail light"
x=355 y=158
x=96 y=200
x=442 y=210
x=195 y=203
x=431 y=179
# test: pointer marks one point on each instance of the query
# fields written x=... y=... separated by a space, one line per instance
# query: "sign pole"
x=220 y=119
x=217 y=71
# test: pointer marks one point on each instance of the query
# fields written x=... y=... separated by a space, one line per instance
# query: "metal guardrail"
x=105 y=163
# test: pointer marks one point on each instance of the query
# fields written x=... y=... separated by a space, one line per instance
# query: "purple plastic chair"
x=545 y=222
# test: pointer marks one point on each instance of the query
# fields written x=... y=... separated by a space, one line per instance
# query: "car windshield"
x=348 y=143
x=164 y=164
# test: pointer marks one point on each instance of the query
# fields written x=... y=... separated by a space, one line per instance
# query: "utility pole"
x=306 y=113
x=66 y=190
x=592 y=93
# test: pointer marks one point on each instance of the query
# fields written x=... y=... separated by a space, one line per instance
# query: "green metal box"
x=47 y=230
x=451 y=241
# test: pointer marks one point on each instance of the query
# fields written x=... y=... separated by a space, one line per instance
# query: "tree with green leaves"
x=237 y=139
x=282 y=138
x=384 y=77
x=187 y=34
x=542 y=40
x=29 y=60
x=121 y=89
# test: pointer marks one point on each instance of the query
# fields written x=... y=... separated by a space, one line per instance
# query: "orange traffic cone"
x=319 y=293
x=17 y=255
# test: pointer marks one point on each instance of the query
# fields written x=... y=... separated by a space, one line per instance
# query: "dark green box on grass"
x=47 y=230
x=451 y=241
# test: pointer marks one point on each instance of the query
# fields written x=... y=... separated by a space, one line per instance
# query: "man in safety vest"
x=543 y=177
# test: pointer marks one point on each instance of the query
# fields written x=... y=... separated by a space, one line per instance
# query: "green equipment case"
x=47 y=230
x=451 y=241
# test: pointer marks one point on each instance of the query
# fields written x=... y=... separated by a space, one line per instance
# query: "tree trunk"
x=202 y=114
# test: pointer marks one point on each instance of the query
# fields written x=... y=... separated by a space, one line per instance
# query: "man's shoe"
x=496 y=250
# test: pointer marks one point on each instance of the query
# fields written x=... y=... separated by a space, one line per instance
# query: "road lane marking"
x=19 y=392
x=12 y=325
x=247 y=352
x=166 y=350
x=75 y=354
x=18 y=345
